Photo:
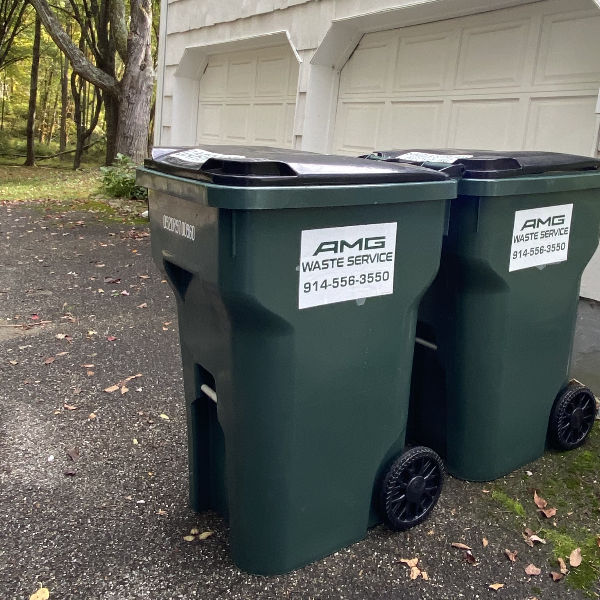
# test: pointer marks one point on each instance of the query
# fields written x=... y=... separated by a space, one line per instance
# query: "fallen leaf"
x=69 y=406
x=112 y=280
x=161 y=512
x=189 y=538
x=547 y=512
x=92 y=416
x=111 y=389
x=41 y=594
x=70 y=472
x=495 y=586
x=73 y=453
x=484 y=542
x=468 y=556
x=88 y=366
x=49 y=360
x=539 y=501
x=60 y=336
x=124 y=293
x=194 y=531
x=143 y=305
x=111 y=338
x=13 y=362
x=90 y=373
x=563 y=566
x=61 y=353
x=575 y=557
x=165 y=417
x=531 y=569
x=144 y=276
x=414 y=572
x=556 y=576
x=598 y=541
x=409 y=562
x=135 y=442
x=35 y=318
x=461 y=546
x=91 y=332
x=511 y=555
x=124 y=390
x=535 y=538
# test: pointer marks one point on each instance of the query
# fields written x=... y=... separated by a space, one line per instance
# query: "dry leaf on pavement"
x=532 y=570
x=556 y=576
x=205 y=534
x=189 y=538
x=484 y=542
x=461 y=546
x=111 y=389
x=547 y=512
x=511 y=555
x=409 y=562
x=495 y=586
x=41 y=594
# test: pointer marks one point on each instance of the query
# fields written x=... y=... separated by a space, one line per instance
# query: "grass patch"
x=21 y=184
x=64 y=190
x=570 y=482
x=509 y=503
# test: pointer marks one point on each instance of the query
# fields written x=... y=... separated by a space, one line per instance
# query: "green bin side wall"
x=505 y=339
x=312 y=403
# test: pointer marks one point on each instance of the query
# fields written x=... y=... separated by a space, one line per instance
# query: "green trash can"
x=495 y=333
x=297 y=278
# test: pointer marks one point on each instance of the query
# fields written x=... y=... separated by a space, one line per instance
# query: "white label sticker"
x=346 y=263
x=179 y=227
x=197 y=156
x=435 y=158
x=540 y=236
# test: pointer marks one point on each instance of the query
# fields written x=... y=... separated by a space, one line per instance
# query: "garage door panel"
x=235 y=122
x=241 y=77
x=492 y=56
x=362 y=123
x=209 y=121
x=268 y=121
x=269 y=81
x=569 y=49
x=415 y=124
x=557 y=124
x=423 y=62
x=214 y=80
x=485 y=124
x=369 y=67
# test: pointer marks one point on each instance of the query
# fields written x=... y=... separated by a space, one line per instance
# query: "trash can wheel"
x=572 y=416
x=411 y=487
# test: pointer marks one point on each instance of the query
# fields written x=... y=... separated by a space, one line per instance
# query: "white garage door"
x=248 y=97
x=519 y=78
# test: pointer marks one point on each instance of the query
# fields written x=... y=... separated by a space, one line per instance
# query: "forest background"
x=77 y=81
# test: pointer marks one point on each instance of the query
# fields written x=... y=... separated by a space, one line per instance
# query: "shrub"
x=118 y=180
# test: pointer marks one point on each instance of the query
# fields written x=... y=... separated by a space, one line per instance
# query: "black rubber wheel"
x=572 y=417
x=411 y=487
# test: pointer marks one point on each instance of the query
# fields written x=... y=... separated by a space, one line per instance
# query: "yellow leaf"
x=414 y=572
x=205 y=534
x=41 y=594
x=111 y=389
x=484 y=542
x=165 y=417
x=194 y=531
x=409 y=562
x=496 y=586
x=189 y=538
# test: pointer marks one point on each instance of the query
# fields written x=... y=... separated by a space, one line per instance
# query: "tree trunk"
x=35 y=64
x=136 y=85
x=111 y=116
x=52 y=120
x=64 y=102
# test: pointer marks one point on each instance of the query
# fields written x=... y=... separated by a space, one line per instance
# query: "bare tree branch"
x=78 y=60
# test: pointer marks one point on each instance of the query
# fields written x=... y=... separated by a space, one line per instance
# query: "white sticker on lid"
x=346 y=263
x=197 y=156
x=540 y=236
x=435 y=158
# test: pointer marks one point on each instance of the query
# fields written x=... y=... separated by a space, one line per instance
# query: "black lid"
x=265 y=166
x=491 y=164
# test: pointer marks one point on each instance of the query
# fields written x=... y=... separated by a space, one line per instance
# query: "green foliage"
x=118 y=180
